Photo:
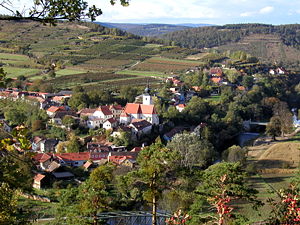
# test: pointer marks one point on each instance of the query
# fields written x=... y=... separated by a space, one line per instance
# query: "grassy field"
x=13 y=72
x=66 y=72
x=276 y=164
x=174 y=61
x=142 y=73
x=267 y=185
x=14 y=57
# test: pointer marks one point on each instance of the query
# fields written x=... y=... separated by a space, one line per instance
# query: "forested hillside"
x=150 y=29
x=270 y=43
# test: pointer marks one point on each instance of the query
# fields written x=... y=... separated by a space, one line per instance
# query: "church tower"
x=147 y=98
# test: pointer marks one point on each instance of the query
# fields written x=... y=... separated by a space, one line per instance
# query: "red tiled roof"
x=111 y=120
x=37 y=139
x=181 y=106
x=42 y=157
x=118 y=159
x=148 y=109
x=132 y=108
x=105 y=110
x=241 y=88
x=87 y=164
x=216 y=71
x=38 y=177
x=116 y=107
x=78 y=156
x=55 y=108
x=58 y=98
x=87 y=111
x=216 y=79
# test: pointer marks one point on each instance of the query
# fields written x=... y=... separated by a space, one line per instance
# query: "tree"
x=222 y=184
x=248 y=81
x=49 y=11
x=193 y=150
x=129 y=93
x=235 y=154
x=3 y=79
x=197 y=109
x=274 y=127
x=15 y=175
x=156 y=165
x=73 y=144
x=96 y=194
x=68 y=121
x=284 y=115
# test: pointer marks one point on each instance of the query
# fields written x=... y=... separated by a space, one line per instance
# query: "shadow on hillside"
x=272 y=164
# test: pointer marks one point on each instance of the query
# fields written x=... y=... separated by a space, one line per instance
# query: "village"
x=132 y=122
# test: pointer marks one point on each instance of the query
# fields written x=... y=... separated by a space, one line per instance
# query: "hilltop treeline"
x=207 y=37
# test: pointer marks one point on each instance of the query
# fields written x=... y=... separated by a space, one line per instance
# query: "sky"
x=195 y=11
x=202 y=11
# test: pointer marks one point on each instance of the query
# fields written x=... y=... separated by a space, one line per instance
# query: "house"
x=110 y=124
x=278 y=71
x=72 y=159
x=63 y=175
x=128 y=162
x=144 y=111
x=86 y=112
x=36 y=143
x=180 y=107
x=136 y=149
x=39 y=181
x=116 y=110
x=43 y=160
x=117 y=132
x=241 y=88
x=53 y=166
x=132 y=155
x=216 y=72
x=88 y=166
x=58 y=116
x=140 y=127
x=103 y=112
x=120 y=159
x=48 y=145
x=53 y=109
x=94 y=122
x=99 y=157
x=98 y=147
x=216 y=80
x=176 y=130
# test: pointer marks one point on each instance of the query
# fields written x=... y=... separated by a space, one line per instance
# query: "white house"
x=94 y=122
x=103 y=112
x=140 y=127
x=110 y=123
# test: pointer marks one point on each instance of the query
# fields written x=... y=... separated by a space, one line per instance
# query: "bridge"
x=125 y=218
x=133 y=218
x=248 y=123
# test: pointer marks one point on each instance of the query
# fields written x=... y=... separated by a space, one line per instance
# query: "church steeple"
x=147 y=98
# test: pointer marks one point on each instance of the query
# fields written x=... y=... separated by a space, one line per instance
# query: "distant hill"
x=150 y=29
x=272 y=44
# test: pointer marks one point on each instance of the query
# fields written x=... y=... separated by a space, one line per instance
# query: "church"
x=144 y=111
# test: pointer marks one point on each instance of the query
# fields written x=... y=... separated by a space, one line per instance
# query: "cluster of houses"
x=52 y=166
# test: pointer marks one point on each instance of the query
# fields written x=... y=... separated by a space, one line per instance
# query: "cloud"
x=266 y=10
x=247 y=14
x=262 y=11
